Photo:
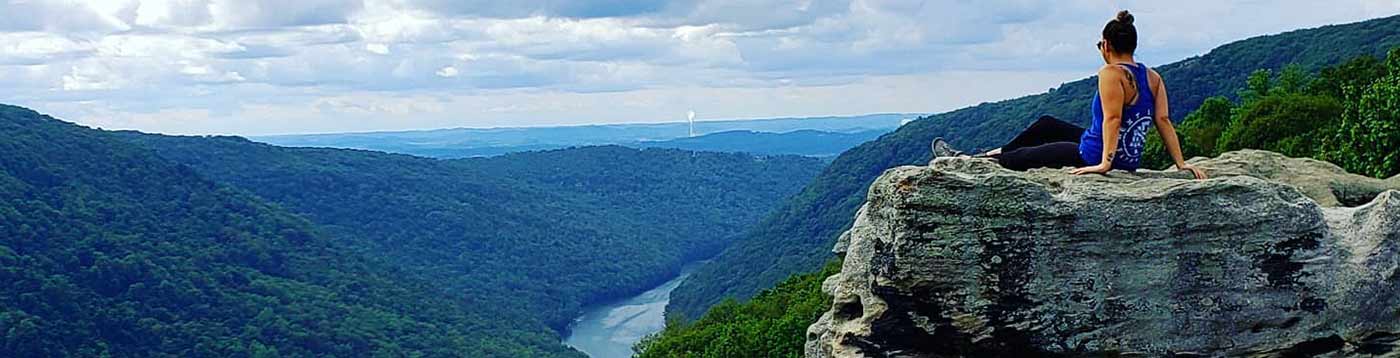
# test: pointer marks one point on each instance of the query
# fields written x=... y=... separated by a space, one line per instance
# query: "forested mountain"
x=536 y=234
x=129 y=244
x=476 y=142
x=108 y=250
x=798 y=236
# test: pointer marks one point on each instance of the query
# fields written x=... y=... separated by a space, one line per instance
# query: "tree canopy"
x=129 y=244
x=1346 y=114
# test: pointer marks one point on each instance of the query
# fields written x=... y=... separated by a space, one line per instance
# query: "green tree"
x=1257 y=85
x=1284 y=121
x=1357 y=72
x=258 y=350
x=1293 y=79
x=1367 y=140
x=773 y=324
x=1204 y=126
x=1289 y=113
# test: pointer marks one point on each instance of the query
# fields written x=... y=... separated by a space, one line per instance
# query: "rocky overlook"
x=1272 y=257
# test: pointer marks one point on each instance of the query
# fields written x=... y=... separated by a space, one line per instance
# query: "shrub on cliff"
x=1348 y=114
x=774 y=324
x=1367 y=139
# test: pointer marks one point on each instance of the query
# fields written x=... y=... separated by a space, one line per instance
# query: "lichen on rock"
x=1272 y=257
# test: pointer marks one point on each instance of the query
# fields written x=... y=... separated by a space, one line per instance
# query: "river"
x=610 y=330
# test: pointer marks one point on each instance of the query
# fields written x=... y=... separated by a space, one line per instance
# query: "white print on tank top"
x=1132 y=138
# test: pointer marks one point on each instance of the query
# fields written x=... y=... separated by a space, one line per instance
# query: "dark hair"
x=1121 y=33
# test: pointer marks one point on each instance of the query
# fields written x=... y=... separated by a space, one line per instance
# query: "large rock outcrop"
x=1272 y=257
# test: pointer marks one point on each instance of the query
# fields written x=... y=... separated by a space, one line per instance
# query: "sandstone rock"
x=1272 y=257
x=1324 y=182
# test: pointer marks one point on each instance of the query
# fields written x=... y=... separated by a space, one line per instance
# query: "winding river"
x=610 y=330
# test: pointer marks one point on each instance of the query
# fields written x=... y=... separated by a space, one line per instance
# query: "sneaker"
x=941 y=149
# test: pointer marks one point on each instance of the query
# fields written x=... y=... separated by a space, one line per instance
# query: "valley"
x=530 y=239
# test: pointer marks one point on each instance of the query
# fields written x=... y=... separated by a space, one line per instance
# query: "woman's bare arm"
x=1163 y=121
x=1111 y=95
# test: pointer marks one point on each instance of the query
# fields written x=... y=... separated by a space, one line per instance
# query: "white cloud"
x=176 y=13
x=244 y=66
x=91 y=77
x=63 y=16
x=376 y=48
x=280 y=13
x=448 y=72
x=551 y=8
x=34 y=48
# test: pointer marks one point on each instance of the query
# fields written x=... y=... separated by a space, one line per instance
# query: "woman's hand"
x=1200 y=174
x=1097 y=169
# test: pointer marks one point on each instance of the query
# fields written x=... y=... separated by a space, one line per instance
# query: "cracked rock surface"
x=1272 y=257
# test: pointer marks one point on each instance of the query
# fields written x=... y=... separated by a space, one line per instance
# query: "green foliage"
x=772 y=324
x=1206 y=125
x=1258 y=85
x=126 y=244
x=1358 y=72
x=1277 y=115
x=798 y=236
x=1283 y=122
x=1347 y=115
x=1368 y=138
x=107 y=250
x=1198 y=133
x=1293 y=79
x=538 y=234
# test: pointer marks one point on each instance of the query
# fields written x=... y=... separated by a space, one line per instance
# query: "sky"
x=255 y=67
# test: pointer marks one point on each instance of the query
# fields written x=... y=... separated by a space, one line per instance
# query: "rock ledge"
x=1272 y=257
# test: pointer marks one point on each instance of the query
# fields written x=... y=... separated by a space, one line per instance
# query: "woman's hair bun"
x=1121 y=33
x=1124 y=17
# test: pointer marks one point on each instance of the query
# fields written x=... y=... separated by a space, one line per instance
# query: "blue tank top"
x=1132 y=134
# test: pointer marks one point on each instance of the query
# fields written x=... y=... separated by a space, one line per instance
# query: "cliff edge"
x=1272 y=257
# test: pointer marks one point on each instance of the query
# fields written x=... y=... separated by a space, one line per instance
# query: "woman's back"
x=1132 y=134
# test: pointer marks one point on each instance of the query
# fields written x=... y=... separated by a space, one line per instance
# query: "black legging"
x=1047 y=143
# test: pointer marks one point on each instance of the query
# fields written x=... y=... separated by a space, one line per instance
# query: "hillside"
x=108 y=250
x=537 y=235
x=798 y=236
x=803 y=142
x=478 y=142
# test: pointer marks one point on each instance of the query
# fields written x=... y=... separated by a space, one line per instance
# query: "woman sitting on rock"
x=1131 y=98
